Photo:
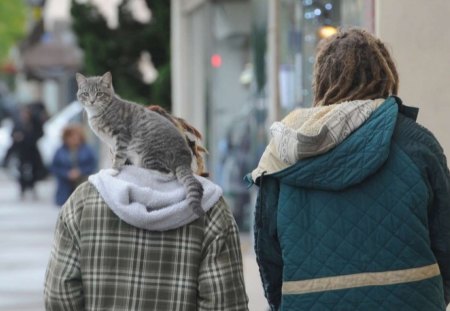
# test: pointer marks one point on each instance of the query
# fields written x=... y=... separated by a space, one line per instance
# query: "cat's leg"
x=120 y=154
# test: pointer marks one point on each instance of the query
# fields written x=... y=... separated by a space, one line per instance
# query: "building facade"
x=416 y=32
x=240 y=65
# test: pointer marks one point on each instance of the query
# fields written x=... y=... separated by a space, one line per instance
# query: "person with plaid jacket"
x=112 y=252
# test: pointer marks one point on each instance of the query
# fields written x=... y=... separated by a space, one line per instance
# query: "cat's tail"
x=194 y=189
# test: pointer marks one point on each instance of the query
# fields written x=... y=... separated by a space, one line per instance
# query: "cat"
x=140 y=135
x=193 y=138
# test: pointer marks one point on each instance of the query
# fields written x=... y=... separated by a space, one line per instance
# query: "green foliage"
x=12 y=25
x=118 y=50
x=162 y=90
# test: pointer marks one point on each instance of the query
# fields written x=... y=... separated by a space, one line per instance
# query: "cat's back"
x=141 y=123
x=126 y=109
x=125 y=113
x=148 y=119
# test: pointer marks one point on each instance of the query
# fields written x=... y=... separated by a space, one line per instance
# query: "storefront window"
x=235 y=125
x=302 y=24
x=236 y=80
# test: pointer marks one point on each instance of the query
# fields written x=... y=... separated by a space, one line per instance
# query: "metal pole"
x=273 y=33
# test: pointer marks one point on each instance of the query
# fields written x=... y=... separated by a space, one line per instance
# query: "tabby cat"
x=193 y=138
x=140 y=135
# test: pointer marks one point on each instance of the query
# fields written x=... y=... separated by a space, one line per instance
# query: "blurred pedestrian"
x=25 y=136
x=39 y=116
x=130 y=242
x=72 y=163
x=353 y=210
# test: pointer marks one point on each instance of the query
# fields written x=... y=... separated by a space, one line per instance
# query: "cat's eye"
x=101 y=94
x=85 y=94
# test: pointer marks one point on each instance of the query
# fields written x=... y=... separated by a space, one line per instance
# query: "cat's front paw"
x=112 y=171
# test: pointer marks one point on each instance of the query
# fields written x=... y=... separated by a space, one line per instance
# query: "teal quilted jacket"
x=364 y=226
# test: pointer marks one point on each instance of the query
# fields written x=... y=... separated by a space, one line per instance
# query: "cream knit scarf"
x=312 y=131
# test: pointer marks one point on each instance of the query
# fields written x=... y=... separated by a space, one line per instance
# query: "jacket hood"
x=349 y=144
x=151 y=200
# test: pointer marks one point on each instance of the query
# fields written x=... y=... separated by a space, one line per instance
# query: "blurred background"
x=229 y=67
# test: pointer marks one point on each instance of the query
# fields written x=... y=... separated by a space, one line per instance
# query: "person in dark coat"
x=25 y=135
x=353 y=211
x=73 y=162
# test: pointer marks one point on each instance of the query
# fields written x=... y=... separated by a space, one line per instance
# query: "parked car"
x=50 y=142
x=5 y=137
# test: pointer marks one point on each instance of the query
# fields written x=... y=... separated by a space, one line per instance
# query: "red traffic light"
x=216 y=60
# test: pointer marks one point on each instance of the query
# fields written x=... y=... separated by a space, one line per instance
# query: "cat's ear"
x=107 y=79
x=80 y=79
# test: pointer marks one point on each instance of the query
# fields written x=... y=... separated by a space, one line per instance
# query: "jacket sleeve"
x=221 y=280
x=57 y=167
x=267 y=247
x=63 y=285
x=439 y=212
x=424 y=149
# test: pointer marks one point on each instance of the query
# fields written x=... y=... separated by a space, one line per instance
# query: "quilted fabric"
x=360 y=208
x=353 y=160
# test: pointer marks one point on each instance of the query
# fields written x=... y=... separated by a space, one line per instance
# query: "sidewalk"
x=26 y=228
x=257 y=301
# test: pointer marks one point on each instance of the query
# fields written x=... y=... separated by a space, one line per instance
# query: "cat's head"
x=95 y=92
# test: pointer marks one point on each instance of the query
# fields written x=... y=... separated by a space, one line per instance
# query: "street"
x=26 y=228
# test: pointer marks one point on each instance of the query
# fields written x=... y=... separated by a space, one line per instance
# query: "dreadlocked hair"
x=353 y=65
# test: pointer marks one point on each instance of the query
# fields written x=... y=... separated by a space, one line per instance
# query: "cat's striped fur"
x=193 y=138
x=140 y=135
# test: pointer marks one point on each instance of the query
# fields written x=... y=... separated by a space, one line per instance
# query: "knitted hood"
x=150 y=200
x=331 y=148
x=308 y=132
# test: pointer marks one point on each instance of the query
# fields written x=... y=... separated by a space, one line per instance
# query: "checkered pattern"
x=99 y=262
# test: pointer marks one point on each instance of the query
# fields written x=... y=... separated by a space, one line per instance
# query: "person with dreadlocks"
x=353 y=210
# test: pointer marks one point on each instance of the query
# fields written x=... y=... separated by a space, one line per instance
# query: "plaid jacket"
x=99 y=262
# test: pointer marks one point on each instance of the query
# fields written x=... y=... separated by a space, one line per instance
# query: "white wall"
x=417 y=33
x=188 y=55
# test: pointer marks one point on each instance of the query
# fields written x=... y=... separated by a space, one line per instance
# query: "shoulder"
x=60 y=154
x=418 y=142
x=219 y=219
x=84 y=196
x=86 y=148
x=409 y=133
x=61 y=150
